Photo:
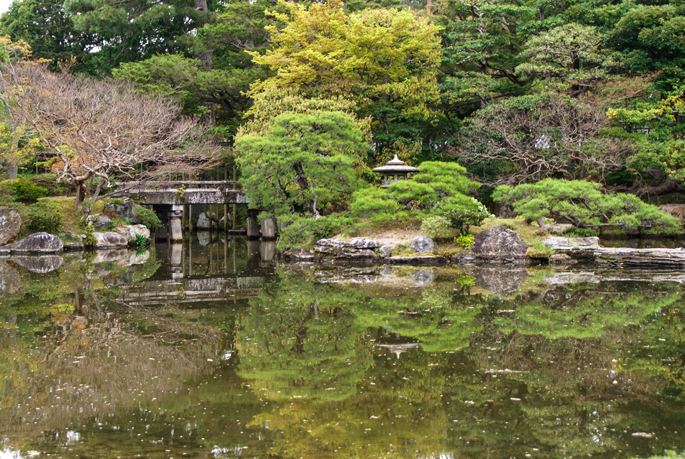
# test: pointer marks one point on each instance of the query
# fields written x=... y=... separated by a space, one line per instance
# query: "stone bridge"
x=173 y=202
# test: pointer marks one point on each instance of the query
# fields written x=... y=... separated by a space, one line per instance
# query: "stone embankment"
x=498 y=245
x=587 y=249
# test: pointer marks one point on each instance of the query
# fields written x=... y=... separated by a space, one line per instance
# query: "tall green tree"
x=301 y=162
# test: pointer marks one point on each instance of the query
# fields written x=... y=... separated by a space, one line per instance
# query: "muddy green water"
x=218 y=352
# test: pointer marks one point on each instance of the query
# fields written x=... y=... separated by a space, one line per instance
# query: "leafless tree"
x=534 y=137
x=103 y=129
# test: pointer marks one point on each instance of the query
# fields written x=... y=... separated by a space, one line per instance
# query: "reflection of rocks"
x=422 y=244
x=355 y=275
x=572 y=278
x=41 y=265
x=203 y=238
x=423 y=277
x=39 y=243
x=10 y=224
x=398 y=349
x=500 y=281
x=139 y=258
x=205 y=219
x=10 y=281
x=103 y=256
x=499 y=245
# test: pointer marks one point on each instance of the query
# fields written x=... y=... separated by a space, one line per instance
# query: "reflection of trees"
x=299 y=339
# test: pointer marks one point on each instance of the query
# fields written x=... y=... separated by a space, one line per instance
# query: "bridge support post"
x=268 y=229
x=175 y=224
x=252 y=226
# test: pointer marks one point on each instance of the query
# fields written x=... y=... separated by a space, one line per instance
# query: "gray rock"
x=572 y=244
x=204 y=219
x=74 y=247
x=640 y=258
x=499 y=245
x=355 y=243
x=131 y=232
x=422 y=277
x=103 y=222
x=104 y=256
x=10 y=280
x=422 y=244
x=561 y=259
x=10 y=224
x=109 y=240
x=346 y=252
x=39 y=264
x=124 y=210
x=500 y=281
x=38 y=243
x=386 y=250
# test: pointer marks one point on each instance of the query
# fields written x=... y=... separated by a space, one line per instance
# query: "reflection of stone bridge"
x=179 y=291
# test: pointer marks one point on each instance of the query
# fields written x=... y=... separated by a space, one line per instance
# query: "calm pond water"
x=217 y=352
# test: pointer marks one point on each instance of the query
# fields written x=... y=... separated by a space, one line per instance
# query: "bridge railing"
x=223 y=185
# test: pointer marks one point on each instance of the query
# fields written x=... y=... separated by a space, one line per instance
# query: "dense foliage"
x=514 y=91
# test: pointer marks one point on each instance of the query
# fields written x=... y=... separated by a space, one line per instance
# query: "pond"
x=214 y=350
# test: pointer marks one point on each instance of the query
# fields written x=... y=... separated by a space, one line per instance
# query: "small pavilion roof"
x=395 y=165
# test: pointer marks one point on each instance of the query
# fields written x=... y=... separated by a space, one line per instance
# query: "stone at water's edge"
x=499 y=245
x=124 y=210
x=41 y=265
x=386 y=250
x=355 y=243
x=130 y=232
x=346 y=252
x=572 y=244
x=74 y=247
x=39 y=243
x=561 y=259
x=204 y=219
x=297 y=254
x=10 y=224
x=422 y=244
x=109 y=240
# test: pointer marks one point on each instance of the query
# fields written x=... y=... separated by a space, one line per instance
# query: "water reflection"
x=208 y=348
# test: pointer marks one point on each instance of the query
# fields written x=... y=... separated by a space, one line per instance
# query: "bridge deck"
x=182 y=192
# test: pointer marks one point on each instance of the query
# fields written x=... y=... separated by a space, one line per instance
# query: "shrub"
x=435 y=226
x=147 y=217
x=299 y=231
x=462 y=212
x=373 y=202
x=22 y=190
x=45 y=215
x=49 y=182
x=141 y=240
x=584 y=205
x=465 y=240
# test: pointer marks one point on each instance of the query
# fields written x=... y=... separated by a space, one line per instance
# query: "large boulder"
x=38 y=243
x=355 y=243
x=359 y=247
x=131 y=232
x=572 y=244
x=109 y=240
x=422 y=244
x=10 y=224
x=205 y=218
x=124 y=209
x=499 y=245
x=103 y=222
x=41 y=265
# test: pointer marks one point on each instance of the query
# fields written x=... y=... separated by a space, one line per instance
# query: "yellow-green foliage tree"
x=384 y=60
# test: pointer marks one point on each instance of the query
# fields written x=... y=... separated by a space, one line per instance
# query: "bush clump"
x=44 y=215
x=147 y=217
x=21 y=190
x=435 y=226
